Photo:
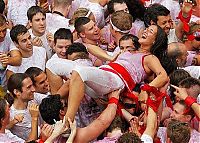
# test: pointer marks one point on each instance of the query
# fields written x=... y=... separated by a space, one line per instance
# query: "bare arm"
x=152 y=63
x=94 y=129
x=15 y=58
x=100 y=53
x=55 y=81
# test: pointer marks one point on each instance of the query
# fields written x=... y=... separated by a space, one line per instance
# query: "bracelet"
x=113 y=100
x=189 y=101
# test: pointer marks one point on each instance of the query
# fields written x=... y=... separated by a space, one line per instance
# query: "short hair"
x=50 y=108
x=16 y=31
x=63 y=33
x=190 y=82
x=152 y=13
x=80 y=12
x=175 y=77
x=2 y=110
x=136 y=9
x=80 y=22
x=111 y=3
x=133 y=38
x=2 y=20
x=178 y=132
x=117 y=123
x=15 y=82
x=33 y=72
x=76 y=47
x=32 y=11
x=122 y=20
x=2 y=6
x=62 y=3
x=129 y=138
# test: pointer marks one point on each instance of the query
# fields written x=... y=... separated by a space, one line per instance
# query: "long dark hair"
x=159 y=49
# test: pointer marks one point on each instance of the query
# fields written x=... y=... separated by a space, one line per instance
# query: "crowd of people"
x=99 y=71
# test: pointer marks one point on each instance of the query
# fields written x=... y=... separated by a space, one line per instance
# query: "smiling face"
x=165 y=23
x=61 y=47
x=148 y=36
x=24 y=42
x=41 y=83
x=91 y=31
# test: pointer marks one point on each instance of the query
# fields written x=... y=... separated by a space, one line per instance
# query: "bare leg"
x=76 y=94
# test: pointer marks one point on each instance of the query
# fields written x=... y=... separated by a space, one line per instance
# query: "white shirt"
x=8 y=137
x=38 y=59
x=17 y=11
x=55 y=21
x=146 y=138
x=45 y=43
x=5 y=47
x=194 y=71
x=172 y=36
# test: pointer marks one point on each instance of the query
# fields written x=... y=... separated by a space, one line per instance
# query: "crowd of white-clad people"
x=99 y=71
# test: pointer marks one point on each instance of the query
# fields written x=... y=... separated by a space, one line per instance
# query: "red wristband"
x=189 y=101
x=185 y=20
x=41 y=141
x=113 y=100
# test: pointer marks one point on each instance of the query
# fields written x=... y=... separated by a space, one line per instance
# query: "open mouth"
x=144 y=35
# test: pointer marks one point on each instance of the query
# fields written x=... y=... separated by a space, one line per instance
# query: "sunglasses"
x=129 y=105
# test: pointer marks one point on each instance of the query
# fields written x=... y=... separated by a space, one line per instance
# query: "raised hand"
x=34 y=110
x=180 y=92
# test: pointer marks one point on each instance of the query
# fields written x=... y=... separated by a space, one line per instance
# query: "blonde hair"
x=80 y=12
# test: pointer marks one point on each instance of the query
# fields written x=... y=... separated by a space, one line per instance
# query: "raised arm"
x=93 y=130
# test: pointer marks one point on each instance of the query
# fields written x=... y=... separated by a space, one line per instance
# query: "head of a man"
x=53 y=108
x=3 y=27
x=37 y=20
x=178 y=132
x=178 y=51
x=182 y=112
x=120 y=23
x=21 y=38
x=159 y=15
x=129 y=42
x=87 y=29
x=39 y=79
x=117 y=5
x=192 y=86
x=21 y=87
x=62 y=40
x=4 y=113
x=77 y=51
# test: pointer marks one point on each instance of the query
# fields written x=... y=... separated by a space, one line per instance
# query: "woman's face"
x=148 y=36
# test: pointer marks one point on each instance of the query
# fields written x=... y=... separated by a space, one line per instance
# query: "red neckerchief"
x=185 y=21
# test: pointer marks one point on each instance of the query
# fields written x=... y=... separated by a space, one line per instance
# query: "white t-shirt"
x=194 y=71
x=146 y=138
x=55 y=21
x=17 y=11
x=8 y=137
x=38 y=97
x=23 y=128
x=45 y=43
x=38 y=59
x=5 y=47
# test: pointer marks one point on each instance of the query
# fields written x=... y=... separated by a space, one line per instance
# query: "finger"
x=69 y=120
x=174 y=87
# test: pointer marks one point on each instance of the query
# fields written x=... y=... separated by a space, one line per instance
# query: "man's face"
x=165 y=23
x=121 y=6
x=178 y=112
x=61 y=47
x=41 y=83
x=126 y=45
x=28 y=90
x=38 y=24
x=3 y=29
x=24 y=42
x=91 y=31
